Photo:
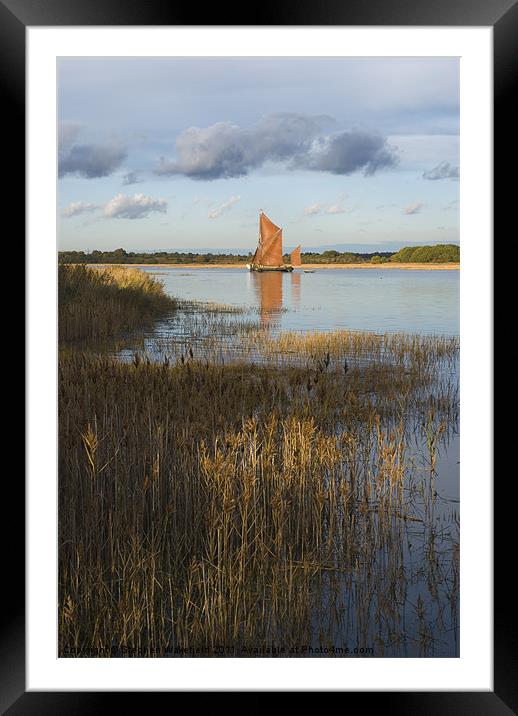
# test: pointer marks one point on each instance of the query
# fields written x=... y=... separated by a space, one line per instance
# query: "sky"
x=181 y=154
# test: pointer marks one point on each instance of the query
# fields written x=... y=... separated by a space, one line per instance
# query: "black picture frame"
x=502 y=15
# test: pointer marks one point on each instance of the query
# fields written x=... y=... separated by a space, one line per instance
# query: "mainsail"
x=269 y=250
x=295 y=257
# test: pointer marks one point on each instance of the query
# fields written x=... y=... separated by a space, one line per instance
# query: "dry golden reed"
x=100 y=303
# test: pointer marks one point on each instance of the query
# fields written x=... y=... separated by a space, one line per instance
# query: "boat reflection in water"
x=295 y=289
x=268 y=289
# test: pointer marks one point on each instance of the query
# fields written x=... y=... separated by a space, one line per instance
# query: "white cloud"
x=313 y=209
x=133 y=207
x=413 y=208
x=336 y=207
x=223 y=207
x=78 y=207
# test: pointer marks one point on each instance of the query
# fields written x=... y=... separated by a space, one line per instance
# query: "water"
x=382 y=301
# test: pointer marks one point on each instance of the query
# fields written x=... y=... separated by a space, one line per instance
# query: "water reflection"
x=268 y=289
x=295 y=289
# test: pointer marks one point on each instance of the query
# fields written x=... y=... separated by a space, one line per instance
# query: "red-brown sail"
x=295 y=257
x=267 y=229
x=269 y=250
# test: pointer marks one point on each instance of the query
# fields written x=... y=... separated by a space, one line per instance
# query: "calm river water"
x=390 y=300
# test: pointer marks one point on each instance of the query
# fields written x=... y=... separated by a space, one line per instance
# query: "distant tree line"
x=442 y=253
x=340 y=257
x=120 y=256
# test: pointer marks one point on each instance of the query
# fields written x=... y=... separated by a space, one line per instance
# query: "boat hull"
x=270 y=268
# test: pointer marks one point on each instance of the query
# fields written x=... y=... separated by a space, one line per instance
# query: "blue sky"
x=182 y=153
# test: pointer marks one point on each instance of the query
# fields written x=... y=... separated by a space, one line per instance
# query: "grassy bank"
x=101 y=303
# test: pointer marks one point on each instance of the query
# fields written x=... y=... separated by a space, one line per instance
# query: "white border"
x=473 y=670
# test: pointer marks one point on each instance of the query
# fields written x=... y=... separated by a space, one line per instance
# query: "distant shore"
x=377 y=267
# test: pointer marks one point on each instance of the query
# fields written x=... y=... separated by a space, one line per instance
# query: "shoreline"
x=380 y=267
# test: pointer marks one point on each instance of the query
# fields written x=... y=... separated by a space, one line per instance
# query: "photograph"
x=258 y=275
x=259 y=375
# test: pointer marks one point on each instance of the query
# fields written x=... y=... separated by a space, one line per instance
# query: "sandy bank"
x=383 y=267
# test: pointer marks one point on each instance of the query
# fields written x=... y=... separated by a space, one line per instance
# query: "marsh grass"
x=96 y=304
x=226 y=334
x=235 y=487
x=204 y=504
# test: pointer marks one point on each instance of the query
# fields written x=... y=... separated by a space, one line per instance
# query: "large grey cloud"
x=443 y=170
x=133 y=207
x=348 y=152
x=91 y=160
x=87 y=160
x=225 y=150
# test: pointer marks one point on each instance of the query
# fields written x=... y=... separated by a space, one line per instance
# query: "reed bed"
x=402 y=348
x=204 y=505
x=102 y=303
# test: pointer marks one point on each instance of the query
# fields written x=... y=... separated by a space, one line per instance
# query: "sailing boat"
x=268 y=254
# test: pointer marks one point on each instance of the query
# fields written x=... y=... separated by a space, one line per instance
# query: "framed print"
x=259 y=419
